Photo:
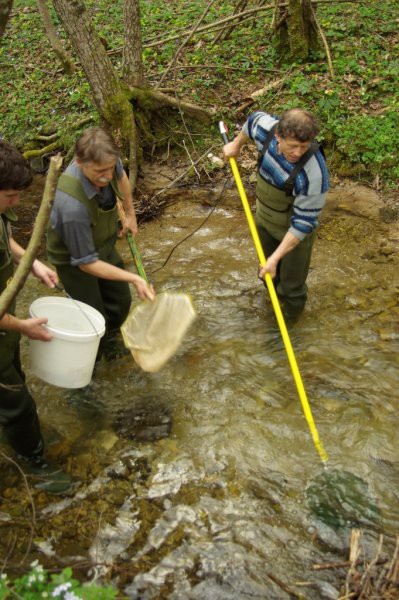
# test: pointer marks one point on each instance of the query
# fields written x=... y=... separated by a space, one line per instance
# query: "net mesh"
x=154 y=330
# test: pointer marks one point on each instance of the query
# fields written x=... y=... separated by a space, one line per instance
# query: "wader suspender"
x=290 y=182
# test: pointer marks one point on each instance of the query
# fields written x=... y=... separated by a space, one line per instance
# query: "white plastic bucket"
x=68 y=359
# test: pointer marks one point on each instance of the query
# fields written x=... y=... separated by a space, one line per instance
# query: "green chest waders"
x=104 y=224
x=274 y=210
x=111 y=298
x=9 y=340
x=18 y=413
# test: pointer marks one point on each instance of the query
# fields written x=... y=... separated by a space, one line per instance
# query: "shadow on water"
x=203 y=478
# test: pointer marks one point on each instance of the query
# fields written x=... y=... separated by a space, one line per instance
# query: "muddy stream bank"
x=193 y=482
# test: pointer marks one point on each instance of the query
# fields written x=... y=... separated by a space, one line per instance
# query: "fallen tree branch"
x=324 y=39
x=193 y=110
x=211 y=27
x=204 y=28
x=343 y=564
x=285 y=587
x=185 y=172
x=223 y=34
x=267 y=88
x=41 y=151
x=47 y=138
x=28 y=258
x=188 y=38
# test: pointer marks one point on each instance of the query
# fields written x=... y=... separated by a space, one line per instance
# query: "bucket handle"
x=61 y=289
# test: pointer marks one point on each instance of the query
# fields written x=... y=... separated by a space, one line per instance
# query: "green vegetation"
x=358 y=107
x=38 y=583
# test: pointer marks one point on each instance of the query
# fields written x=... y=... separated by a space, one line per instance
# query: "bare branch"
x=33 y=522
x=53 y=38
x=28 y=258
x=188 y=38
x=323 y=37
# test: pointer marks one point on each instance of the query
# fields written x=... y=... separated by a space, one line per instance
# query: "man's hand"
x=270 y=267
x=288 y=243
x=145 y=291
x=232 y=149
x=127 y=214
x=33 y=329
x=129 y=223
x=45 y=274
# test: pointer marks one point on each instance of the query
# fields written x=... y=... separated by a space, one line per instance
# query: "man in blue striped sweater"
x=292 y=182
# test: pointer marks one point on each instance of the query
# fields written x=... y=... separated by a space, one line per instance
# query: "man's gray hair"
x=96 y=145
x=298 y=124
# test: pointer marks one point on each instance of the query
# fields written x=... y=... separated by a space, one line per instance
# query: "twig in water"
x=33 y=521
x=185 y=172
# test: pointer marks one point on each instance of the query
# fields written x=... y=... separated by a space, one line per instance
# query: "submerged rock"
x=341 y=499
x=146 y=421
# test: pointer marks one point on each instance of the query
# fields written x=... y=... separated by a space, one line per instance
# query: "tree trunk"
x=132 y=63
x=119 y=104
x=310 y=25
x=295 y=29
x=110 y=96
x=97 y=66
x=5 y=9
x=53 y=38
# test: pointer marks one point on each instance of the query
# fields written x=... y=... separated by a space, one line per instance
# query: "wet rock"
x=9 y=493
x=369 y=255
x=389 y=214
x=82 y=465
x=388 y=250
x=170 y=478
x=341 y=499
x=326 y=591
x=106 y=439
x=356 y=200
x=45 y=546
x=112 y=540
x=144 y=422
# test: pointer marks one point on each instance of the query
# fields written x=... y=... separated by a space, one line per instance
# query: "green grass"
x=357 y=108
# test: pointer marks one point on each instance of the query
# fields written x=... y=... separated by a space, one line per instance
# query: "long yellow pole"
x=276 y=306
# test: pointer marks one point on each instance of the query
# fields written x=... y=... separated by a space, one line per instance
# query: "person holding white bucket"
x=83 y=230
x=18 y=414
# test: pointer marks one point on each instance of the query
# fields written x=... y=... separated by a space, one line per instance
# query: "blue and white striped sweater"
x=311 y=183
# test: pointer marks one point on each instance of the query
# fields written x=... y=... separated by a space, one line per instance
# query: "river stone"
x=341 y=499
x=327 y=591
x=146 y=421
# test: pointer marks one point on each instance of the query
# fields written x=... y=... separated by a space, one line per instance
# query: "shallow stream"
x=193 y=482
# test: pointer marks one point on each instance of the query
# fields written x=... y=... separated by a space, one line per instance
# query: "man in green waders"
x=18 y=415
x=83 y=230
x=292 y=181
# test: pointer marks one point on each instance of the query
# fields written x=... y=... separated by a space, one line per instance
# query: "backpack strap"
x=290 y=182
x=266 y=143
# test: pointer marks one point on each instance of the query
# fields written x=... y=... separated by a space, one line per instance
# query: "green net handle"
x=136 y=256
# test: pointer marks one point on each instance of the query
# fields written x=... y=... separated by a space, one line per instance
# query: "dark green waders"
x=111 y=298
x=273 y=213
x=18 y=414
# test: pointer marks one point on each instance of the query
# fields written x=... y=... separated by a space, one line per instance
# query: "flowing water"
x=201 y=481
